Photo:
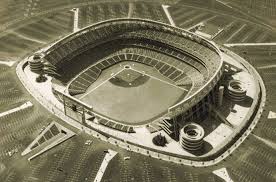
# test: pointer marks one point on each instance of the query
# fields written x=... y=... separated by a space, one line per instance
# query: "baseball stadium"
x=128 y=90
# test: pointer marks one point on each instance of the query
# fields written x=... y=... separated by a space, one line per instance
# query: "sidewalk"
x=106 y=160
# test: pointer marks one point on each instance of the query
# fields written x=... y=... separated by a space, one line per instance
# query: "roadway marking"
x=249 y=35
x=222 y=173
x=106 y=160
x=226 y=27
x=76 y=19
x=23 y=106
x=271 y=115
x=262 y=37
x=234 y=34
x=250 y=44
x=28 y=38
x=217 y=33
x=165 y=8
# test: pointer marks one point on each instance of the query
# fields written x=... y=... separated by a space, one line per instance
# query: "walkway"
x=265 y=141
x=165 y=8
x=106 y=160
x=251 y=44
x=8 y=63
x=23 y=106
x=130 y=9
x=266 y=67
x=76 y=19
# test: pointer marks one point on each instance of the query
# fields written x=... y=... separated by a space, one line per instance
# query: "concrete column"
x=220 y=96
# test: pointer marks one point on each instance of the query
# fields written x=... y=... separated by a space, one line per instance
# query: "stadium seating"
x=189 y=46
x=116 y=126
x=165 y=60
x=100 y=33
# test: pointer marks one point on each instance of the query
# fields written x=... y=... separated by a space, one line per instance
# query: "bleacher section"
x=204 y=54
x=153 y=127
x=116 y=126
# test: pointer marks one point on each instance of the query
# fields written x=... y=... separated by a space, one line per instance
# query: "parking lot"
x=73 y=160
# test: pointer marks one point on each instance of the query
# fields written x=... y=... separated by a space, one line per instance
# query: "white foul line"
x=101 y=83
x=113 y=75
x=159 y=80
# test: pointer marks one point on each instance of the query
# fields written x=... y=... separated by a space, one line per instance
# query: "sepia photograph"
x=137 y=90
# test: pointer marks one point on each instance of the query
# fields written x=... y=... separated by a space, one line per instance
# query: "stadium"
x=137 y=50
x=150 y=88
x=132 y=78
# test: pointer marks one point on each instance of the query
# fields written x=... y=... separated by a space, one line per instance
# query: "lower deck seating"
x=116 y=126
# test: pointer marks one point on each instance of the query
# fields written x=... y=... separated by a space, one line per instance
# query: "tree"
x=159 y=140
